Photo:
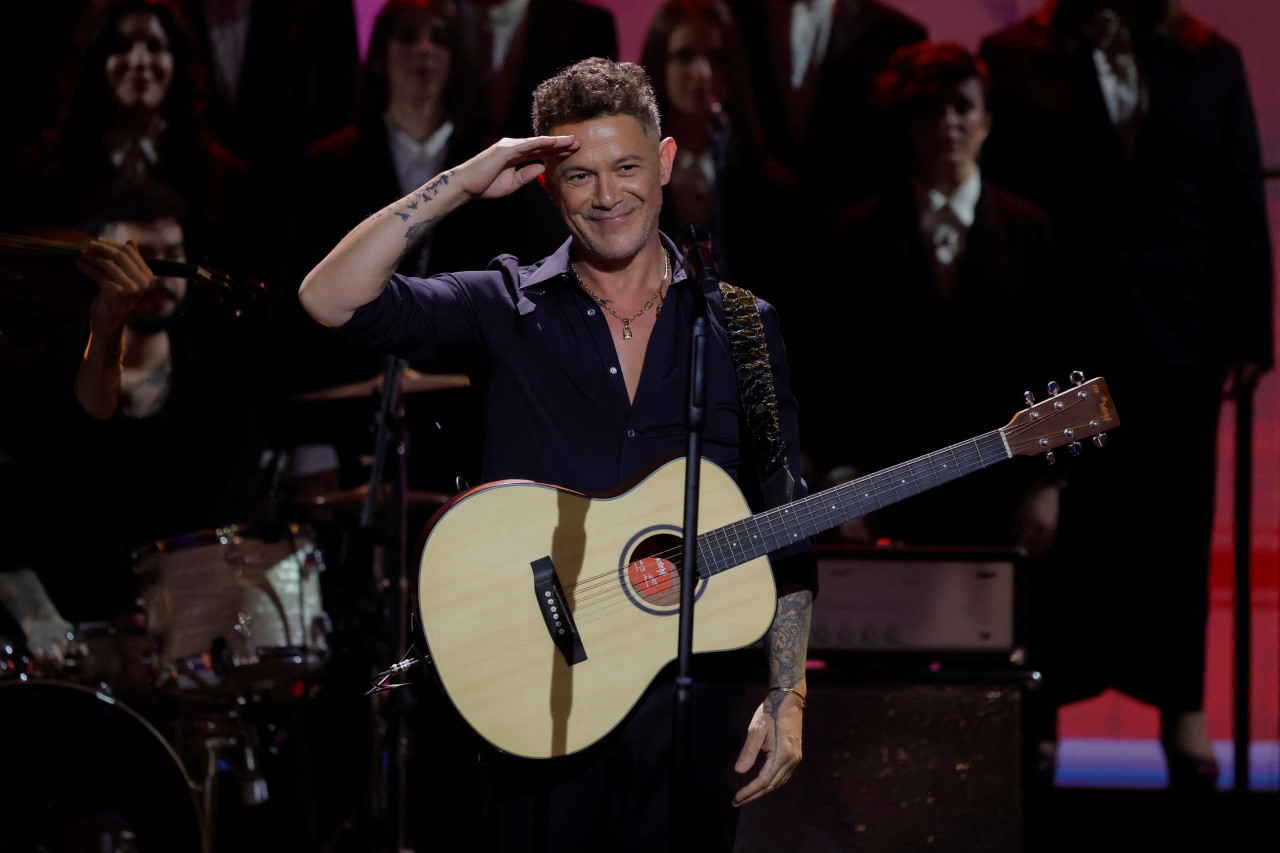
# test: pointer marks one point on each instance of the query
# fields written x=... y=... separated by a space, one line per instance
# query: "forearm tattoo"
x=788 y=639
x=426 y=193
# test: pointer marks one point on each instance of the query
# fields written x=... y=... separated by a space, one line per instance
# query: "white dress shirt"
x=810 y=33
x=945 y=219
x=501 y=20
x=417 y=162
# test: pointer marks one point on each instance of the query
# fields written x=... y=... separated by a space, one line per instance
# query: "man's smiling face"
x=609 y=190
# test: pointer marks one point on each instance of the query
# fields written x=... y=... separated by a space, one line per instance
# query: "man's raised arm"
x=356 y=270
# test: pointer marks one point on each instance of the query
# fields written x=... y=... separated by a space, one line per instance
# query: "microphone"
x=695 y=243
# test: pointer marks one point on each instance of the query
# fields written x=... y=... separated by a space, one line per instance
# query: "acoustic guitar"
x=547 y=612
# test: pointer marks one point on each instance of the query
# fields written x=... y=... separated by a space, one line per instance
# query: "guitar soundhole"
x=654 y=570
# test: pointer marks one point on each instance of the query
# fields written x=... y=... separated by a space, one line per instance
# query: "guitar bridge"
x=555 y=613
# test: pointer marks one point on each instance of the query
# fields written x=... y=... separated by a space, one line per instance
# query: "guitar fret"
x=769 y=531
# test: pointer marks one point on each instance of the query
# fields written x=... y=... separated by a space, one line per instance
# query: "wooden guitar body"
x=485 y=623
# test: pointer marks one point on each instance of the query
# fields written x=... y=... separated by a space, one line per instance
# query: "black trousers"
x=614 y=795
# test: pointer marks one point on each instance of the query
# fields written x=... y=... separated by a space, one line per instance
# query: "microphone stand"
x=678 y=811
x=389 y=741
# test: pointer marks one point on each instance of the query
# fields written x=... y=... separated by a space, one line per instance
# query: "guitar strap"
x=755 y=391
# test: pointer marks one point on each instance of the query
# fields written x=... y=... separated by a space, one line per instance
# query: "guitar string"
x=769 y=519
x=600 y=595
x=589 y=592
x=607 y=597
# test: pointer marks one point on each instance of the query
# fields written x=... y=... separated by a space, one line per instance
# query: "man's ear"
x=667 y=157
x=548 y=186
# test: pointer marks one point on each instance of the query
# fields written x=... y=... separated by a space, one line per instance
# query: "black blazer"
x=1173 y=240
x=833 y=155
x=906 y=371
x=559 y=33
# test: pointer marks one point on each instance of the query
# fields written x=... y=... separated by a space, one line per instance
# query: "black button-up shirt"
x=539 y=352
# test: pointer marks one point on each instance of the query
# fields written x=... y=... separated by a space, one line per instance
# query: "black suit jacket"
x=297 y=83
x=908 y=371
x=835 y=154
x=1172 y=243
x=558 y=34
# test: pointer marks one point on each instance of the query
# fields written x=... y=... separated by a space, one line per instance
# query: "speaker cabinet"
x=913 y=737
x=900 y=767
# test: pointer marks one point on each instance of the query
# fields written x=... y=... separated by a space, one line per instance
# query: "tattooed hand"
x=776 y=727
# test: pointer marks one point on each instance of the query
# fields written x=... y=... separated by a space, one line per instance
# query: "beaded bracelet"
x=803 y=704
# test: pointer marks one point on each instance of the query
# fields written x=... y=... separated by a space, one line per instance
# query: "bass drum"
x=83 y=772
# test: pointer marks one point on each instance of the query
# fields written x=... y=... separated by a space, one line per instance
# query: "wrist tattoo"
x=788 y=638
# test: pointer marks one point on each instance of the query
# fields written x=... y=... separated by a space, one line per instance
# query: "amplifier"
x=888 y=599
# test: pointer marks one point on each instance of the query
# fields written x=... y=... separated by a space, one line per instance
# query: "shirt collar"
x=425 y=150
x=557 y=264
x=506 y=13
x=962 y=202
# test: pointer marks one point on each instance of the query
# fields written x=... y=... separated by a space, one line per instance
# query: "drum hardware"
x=229 y=749
x=410 y=381
x=356 y=497
x=13 y=663
x=391 y=585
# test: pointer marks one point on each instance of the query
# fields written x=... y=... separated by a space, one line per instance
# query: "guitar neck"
x=742 y=541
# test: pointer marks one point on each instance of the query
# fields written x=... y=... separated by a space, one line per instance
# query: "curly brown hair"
x=592 y=88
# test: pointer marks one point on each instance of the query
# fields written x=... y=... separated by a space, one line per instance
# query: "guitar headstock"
x=1083 y=411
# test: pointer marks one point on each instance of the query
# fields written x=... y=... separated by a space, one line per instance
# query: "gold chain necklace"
x=626 y=321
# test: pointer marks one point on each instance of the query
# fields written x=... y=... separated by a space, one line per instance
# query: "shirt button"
x=613 y=370
x=631 y=433
x=591 y=312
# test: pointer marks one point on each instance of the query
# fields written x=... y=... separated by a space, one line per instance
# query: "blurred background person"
x=281 y=74
x=133 y=105
x=813 y=65
x=418 y=108
x=1131 y=123
x=516 y=44
x=942 y=282
x=694 y=57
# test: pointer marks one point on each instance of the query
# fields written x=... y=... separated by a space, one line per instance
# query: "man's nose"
x=606 y=191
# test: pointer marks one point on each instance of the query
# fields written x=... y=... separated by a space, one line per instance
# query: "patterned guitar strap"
x=755 y=390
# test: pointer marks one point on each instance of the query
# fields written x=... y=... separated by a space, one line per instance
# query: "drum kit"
x=137 y=733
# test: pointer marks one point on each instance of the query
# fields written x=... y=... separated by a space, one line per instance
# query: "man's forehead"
x=622 y=131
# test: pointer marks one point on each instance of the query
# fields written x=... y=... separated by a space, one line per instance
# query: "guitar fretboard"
x=742 y=541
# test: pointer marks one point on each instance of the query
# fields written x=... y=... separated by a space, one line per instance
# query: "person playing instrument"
x=172 y=443
x=581 y=362
x=27 y=374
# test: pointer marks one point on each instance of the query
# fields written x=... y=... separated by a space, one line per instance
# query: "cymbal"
x=411 y=381
x=353 y=498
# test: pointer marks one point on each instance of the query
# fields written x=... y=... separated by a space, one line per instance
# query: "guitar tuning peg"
x=1049 y=458
x=1029 y=397
x=1074 y=447
x=1077 y=377
x=1053 y=388
x=1100 y=439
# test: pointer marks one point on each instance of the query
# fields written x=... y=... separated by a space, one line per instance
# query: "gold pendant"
x=626 y=330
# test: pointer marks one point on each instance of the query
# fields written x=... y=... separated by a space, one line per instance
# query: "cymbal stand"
x=390 y=743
